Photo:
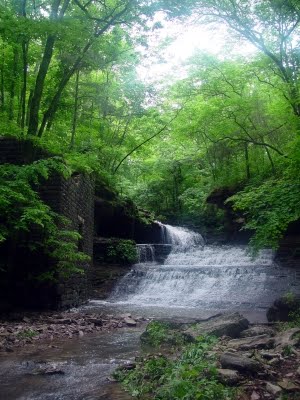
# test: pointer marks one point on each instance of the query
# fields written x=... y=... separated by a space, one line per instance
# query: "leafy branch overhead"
x=84 y=80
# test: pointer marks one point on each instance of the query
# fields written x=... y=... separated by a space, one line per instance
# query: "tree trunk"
x=248 y=175
x=75 y=113
x=35 y=103
x=13 y=85
x=2 y=91
x=25 y=46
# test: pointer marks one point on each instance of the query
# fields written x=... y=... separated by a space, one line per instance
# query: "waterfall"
x=202 y=277
x=146 y=253
x=181 y=237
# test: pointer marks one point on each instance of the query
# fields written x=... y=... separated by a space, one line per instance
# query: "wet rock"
x=255 y=342
x=130 y=322
x=257 y=331
x=239 y=362
x=228 y=376
x=273 y=389
x=226 y=324
x=48 y=370
x=127 y=367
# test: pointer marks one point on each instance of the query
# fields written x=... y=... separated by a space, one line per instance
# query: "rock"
x=63 y=321
x=96 y=321
x=269 y=356
x=9 y=349
x=274 y=362
x=282 y=307
x=255 y=396
x=127 y=367
x=273 y=389
x=228 y=376
x=289 y=386
x=255 y=342
x=48 y=371
x=286 y=338
x=226 y=324
x=239 y=362
x=126 y=315
x=129 y=321
x=257 y=331
x=81 y=334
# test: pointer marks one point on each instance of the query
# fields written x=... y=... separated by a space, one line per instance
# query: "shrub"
x=22 y=212
x=122 y=251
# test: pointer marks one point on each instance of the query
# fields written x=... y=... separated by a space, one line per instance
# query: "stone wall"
x=73 y=198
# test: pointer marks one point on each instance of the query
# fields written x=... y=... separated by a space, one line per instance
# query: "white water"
x=181 y=238
x=146 y=252
x=198 y=278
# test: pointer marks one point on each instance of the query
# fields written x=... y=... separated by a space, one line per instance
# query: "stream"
x=195 y=281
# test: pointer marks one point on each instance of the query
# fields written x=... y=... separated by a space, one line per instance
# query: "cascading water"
x=197 y=277
x=146 y=253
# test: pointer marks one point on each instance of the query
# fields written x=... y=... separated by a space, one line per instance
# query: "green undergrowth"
x=27 y=334
x=294 y=315
x=122 y=251
x=188 y=372
x=161 y=333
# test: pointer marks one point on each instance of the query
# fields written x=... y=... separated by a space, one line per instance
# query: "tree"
x=271 y=26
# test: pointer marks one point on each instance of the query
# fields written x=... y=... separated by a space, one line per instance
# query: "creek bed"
x=86 y=364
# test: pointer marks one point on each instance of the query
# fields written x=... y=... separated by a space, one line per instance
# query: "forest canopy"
x=70 y=81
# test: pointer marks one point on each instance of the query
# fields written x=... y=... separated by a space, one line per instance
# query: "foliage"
x=122 y=251
x=269 y=208
x=27 y=334
x=190 y=376
x=160 y=333
x=69 y=78
x=23 y=212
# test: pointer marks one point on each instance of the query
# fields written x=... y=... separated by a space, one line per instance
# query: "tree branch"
x=146 y=141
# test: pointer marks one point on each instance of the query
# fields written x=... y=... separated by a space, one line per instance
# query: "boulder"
x=289 y=386
x=228 y=376
x=273 y=389
x=224 y=325
x=239 y=362
x=255 y=342
x=129 y=321
x=258 y=330
x=287 y=338
x=282 y=307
